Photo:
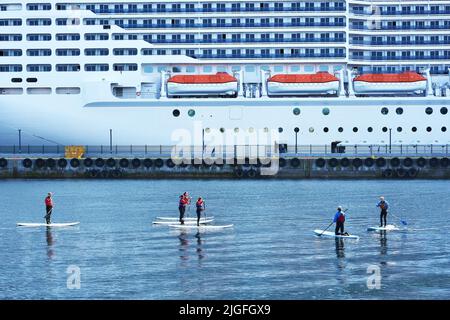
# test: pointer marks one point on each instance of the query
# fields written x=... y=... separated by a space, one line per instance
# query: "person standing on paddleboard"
x=383 y=205
x=182 y=207
x=200 y=205
x=48 y=207
x=339 y=219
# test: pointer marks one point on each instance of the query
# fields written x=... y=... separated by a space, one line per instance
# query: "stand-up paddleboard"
x=201 y=227
x=189 y=222
x=185 y=219
x=322 y=233
x=68 y=224
x=389 y=227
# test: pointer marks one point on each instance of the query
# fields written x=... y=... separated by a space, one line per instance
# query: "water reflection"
x=200 y=252
x=50 y=242
x=340 y=248
x=383 y=243
x=184 y=244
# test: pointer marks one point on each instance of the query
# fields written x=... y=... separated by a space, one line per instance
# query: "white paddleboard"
x=322 y=233
x=25 y=224
x=389 y=227
x=185 y=219
x=189 y=222
x=202 y=227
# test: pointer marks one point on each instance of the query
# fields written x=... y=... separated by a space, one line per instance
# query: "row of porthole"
x=382 y=162
x=326 y=111
x=384 y=111
x=326 y=129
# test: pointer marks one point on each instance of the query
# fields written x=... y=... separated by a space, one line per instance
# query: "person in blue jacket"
x=339 y=219
x=384 y=206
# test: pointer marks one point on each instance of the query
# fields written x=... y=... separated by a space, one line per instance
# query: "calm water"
x=271 y=253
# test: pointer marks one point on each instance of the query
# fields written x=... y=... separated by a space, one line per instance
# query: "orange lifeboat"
x=297 y=84
x=387 y=82
x=220 y=83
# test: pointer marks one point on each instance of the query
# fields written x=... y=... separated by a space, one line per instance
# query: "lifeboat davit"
x=386 y=82
x=297 y=84
x=220 y=83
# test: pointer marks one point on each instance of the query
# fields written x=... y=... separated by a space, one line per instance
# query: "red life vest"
x=383 y=205
x=48 y=202
x=199 y=204
x=341 y=218
x=183 y=202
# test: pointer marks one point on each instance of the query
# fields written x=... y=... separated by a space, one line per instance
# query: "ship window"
x=190 y=69
x=68 y=90
x=429 y=129
x=326 y=111
x=251 y=129
x=369 y=129
x=39 y=68
x=161 y=68
x=39 y=90
x=385 y=129
x=10 y=68
x=207 y=69
x=16 y=80
x=67 y=67
x=222 y=130
x=355 y=129
x=296 y=129
x=296 y=111
x=444 y=110
x=176 y=113
x=191 y=113
x=295 y=68
x=236 y=130
x=96 y=67
x=340 y=129
x=221 y=69
x=309 y=68
x=236 y=68
x=280 y=130
x=250 y=68
x=326 y=129
x=444 y=129
x=278 y=69
x=323 y=68
x=384 y=110
x=399 y=129
x=429 y=110
x=399 y=110
x=311 y=129
x=31 y=80
x=414 y=129
x=148 y=69
x=176 y=69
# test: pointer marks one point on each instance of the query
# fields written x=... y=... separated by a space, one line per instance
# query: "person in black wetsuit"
x=383 y=205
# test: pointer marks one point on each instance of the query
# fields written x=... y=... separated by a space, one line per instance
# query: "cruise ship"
x=313 y=72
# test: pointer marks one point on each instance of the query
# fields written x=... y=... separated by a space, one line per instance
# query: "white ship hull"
x=369 y=87
x=280 y=88
x=201 y=89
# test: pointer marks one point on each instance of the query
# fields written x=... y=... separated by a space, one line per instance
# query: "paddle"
x=402 y=221
x=329 y=225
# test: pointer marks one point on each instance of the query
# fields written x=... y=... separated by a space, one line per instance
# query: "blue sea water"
x=270 y=253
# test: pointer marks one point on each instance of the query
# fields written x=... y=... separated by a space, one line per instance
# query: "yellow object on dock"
x=74 y=152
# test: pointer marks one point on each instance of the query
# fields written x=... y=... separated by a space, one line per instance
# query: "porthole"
x=369 y=129
x=325 y=129
x=340 y=129
x=311 y=129
x=236 y=130
x=429 y=110
x=385 y=129
x=326 y=111
x=207 y=130
x=429 y=129
x=266 y=129
x=296 y=129
x=32 y=80
x=222 y=130
x=280 y=130
x=251 y=129
x=414 y=129
x=444 y=110
x=296 y=111
x=191 y=112
x=444 y=129
x=384 y=110
x=399 y=110
x=399 y=129
x=16 y=80
x=355 y=129
x=176 y=113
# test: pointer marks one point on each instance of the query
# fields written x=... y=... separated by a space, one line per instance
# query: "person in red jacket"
x=182 y=207
x=48 y=207
x=200 y=205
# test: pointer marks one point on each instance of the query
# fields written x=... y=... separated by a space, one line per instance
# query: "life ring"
x=111 y=162
x=50 y=163
x=148 y=163
x=99 y=162
x=407 y=162
x=88 y=162
x=27 y=163
x=159 y=163
x=368 y=162
x=421 y=162
x=62 y=163
x=136 y=163
x=345 y=162
x=138 y=93
x=124 y=163
x=333 y=162
x=395 y=162
x=320 y=162
x=74 y=163
x=380 y=162
x=357 y=162
x=434 y=162
x=40 y=163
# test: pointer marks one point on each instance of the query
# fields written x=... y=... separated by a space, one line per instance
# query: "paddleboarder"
x=182 y=207
x=200 y=205
x=48 y=207
x=339 y=219
x=384 y=206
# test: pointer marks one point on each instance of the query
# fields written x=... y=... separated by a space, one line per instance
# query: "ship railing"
x=232 y=151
